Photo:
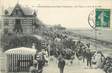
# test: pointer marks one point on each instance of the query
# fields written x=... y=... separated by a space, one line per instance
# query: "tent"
x=19 y=59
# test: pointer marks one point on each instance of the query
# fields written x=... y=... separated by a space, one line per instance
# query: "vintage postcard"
x=55 y=36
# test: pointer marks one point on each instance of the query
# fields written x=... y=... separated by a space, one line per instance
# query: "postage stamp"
x=102 y=18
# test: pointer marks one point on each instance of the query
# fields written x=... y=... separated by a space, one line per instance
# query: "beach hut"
x=19 y=59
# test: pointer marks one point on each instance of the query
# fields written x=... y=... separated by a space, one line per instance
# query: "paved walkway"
x=77 y=67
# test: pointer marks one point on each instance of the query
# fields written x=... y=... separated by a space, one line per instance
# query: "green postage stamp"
x=102 y=18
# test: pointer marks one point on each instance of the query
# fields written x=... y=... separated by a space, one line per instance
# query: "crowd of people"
x=96 y=58
x=82 y=53
x=40 y=60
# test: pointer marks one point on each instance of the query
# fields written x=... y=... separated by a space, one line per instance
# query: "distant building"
x=19 y=19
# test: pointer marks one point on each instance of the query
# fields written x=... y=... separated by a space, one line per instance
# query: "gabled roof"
x=27 y=11
x=17 y=9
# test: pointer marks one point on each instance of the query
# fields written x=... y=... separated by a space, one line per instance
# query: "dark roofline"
x=22 y=10
x=17 y=5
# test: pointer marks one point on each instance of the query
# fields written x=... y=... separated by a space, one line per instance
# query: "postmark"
x=91 y=19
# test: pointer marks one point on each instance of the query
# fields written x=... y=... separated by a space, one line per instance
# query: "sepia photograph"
x=55 y=36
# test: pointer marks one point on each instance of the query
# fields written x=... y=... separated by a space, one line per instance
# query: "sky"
x=71 y=14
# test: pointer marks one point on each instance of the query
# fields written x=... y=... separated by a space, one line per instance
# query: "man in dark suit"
x=61 y=63
x=89 y=57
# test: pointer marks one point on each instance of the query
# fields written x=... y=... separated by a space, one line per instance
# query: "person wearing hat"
x=34 y=67
x=41 y=62
x=61 y=63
